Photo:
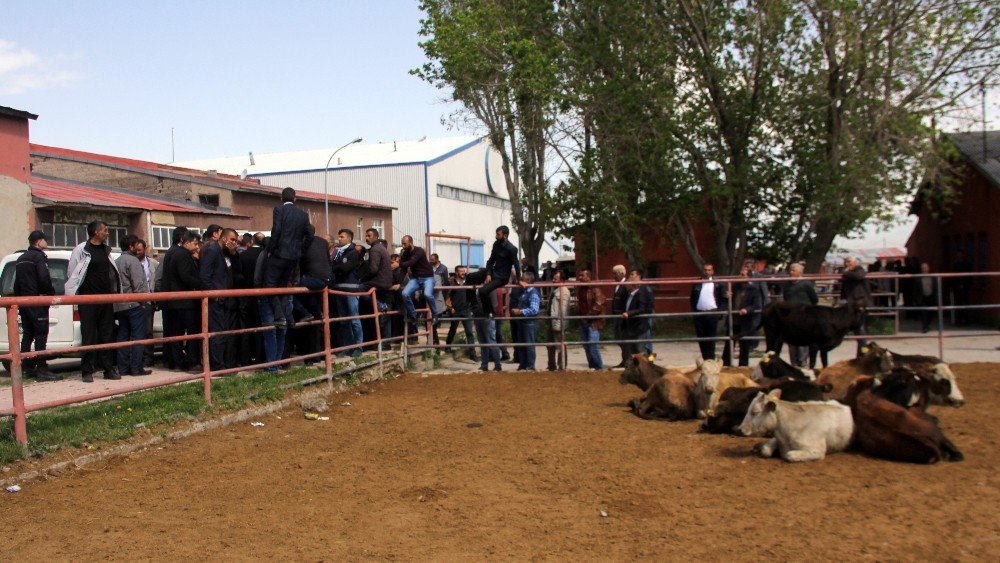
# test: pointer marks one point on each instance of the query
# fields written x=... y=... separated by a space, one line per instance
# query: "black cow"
x=772 y=368
x=821 y=328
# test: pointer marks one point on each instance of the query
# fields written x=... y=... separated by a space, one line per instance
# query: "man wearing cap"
x=33 y=279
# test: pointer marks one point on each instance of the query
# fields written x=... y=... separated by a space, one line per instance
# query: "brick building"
x=969 y=223
x=15 y=171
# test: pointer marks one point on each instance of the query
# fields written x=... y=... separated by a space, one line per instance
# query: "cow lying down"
x=891 y=423
x=668 y=392
x=802 y=431
x=712 y=382
x=772 y=367
x=734 y=403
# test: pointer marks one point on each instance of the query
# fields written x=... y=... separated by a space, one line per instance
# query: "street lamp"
x=326 y=170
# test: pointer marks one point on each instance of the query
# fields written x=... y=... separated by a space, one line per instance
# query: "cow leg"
x=812 y=357
x=804 y=455
x=823 y=356
x=949 y=450
x=768 y=448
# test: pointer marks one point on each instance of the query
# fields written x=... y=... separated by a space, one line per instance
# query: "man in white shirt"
x=710 y=296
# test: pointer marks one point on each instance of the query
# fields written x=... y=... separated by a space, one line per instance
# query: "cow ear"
x=774 y=395
x=698 y=361
x=635 y=360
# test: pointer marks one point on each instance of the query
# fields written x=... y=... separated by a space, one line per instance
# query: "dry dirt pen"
x=501 y=466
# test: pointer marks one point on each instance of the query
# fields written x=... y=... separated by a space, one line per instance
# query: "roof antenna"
x=252 y=163
x=173 y=153
x=394 y=146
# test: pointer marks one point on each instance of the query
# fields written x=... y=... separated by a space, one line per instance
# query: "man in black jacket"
x=752 y=301
x=217 y=274
x=503 y=257
x=288 y=235
x=414 y=261
x=345 y=267
x=712 y=297
x=33 y=278
x=854 y=288
x=618 y=300
x=251 y=346
x=635 y=324
x=461 y=311
x=315 y=275
x=180 y=273
x=377 y=273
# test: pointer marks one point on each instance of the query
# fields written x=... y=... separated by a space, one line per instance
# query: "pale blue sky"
x=113 y=77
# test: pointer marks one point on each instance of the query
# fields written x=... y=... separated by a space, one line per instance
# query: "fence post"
x=16 y=379
x=206 y=366
x=940 y=314
x=378 y=326
x=327 y=354
x=895 y=301
x=729 y=322
x=406 y=342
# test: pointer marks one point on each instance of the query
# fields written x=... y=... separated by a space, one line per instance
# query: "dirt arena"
x=522 y=466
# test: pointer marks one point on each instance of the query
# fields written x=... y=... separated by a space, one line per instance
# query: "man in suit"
x=710 y=296
x=753 y=298
x=636 y=326
x=251 y=346
x=284 y=249
x=181 y=317
x=618 y=299
x=216 y=274
x=151 y=267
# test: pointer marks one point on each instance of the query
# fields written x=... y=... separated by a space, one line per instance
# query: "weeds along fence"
x=418 y=337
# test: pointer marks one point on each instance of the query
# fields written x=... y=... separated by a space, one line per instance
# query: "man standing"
x=461 y=312
x=215 y=275
x=618 y=299
x=92 y=272
x=33 y=279
x=558 y=311
x=798 y=290
x=288 y=234
x=636 y=326
x=346 y=265
x=854 y=289
x=378 y=274
x=752 y=303
x=590 y=302
x=251 y=346
x=150 y=267
x=315 y=275
x=133 y=316
x=415 y=260
x=180 y=273
x=503 y=257
x=528 y=305
x=710 y=297
x=926 y=297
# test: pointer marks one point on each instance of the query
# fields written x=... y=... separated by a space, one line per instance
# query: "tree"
x=500 y=59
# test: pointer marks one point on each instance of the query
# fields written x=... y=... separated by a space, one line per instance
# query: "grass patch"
x=121 y=418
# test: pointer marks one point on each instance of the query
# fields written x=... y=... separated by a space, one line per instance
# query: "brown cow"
x=669 y=398
x=885 y=429
x=642 y=372
x=873 y=360
x=712 y=382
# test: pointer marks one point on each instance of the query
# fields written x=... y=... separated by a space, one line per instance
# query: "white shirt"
x=706 y=300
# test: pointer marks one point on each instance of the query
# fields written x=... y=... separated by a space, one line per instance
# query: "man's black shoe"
x=112 y=374
x=143 y=372
x=87 y=378
x=621 y=365
x=43 y=374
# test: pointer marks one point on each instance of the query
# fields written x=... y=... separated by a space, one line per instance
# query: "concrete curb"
x=367 y=373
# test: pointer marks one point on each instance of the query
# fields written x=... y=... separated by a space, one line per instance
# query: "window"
x=63 y=235
x=460 y=194
x=360 y=231
x=57 y=269
x=162 y=237
x=379 y=225
x=209 y=199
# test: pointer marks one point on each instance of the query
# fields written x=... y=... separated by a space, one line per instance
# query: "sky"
x=117 y=77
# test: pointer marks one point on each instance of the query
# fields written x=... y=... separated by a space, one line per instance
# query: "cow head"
x=705 y=389
x=945 y=389
x=761 y=418
x=900 y=386
x=874 y=359
x=760 y=371
x=633 y=369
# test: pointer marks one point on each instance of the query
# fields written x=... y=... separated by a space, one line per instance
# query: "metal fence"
x=410 y=339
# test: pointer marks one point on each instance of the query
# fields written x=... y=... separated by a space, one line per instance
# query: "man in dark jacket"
x=32 y=279
x=503 y=257
x=712 y=297
x=618 y=299
x=180 y=273
x=288 y=235
x=217 y=274
x=798 y=290
x=854 y=289
x=345 y=267
x=636 y=326
x=377 y=273
x=754 y=297
x=251 y=346
x=315 y=275
x=414 y=260
x=461 y=311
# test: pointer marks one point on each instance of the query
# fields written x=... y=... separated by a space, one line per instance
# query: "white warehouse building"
x=449 y=186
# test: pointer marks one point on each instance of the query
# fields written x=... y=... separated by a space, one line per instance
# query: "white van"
x=64 y=320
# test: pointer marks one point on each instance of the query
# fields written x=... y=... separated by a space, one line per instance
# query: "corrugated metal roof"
x=190 y=174
x=47 y=190
x=971 y=146
x=377 y=154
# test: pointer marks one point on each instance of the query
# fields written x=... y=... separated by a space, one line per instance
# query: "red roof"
x=56 y=191
x=198 y=176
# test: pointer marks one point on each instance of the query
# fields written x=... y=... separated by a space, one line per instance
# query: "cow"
x=641 y=372
x=771 y=368
x=734 y=402
x=874 y=360
x=669 y=398
x=947 y=391
x=816 y=326
x=888 y=430
x=713 y=382
x=802 y=431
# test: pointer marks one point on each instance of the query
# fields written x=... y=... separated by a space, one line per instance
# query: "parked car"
x=64 y=320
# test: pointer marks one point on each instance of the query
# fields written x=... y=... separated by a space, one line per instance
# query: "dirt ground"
x=522 y=466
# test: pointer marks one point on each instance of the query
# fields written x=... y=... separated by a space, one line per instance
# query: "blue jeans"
x=486 y=331
x=590 y=334
x=350 y=331
x=274 y=340
x=131 y=326
x=411 y=288
x=527 y=332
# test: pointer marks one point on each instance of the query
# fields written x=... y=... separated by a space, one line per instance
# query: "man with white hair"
x=798 y=290
x=618 y=307
x=854 y=288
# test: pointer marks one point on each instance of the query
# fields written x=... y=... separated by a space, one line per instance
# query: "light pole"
x=326 y=196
